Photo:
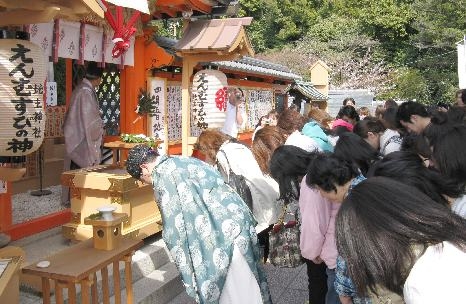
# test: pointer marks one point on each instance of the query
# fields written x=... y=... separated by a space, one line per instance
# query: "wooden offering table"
x=79 y=265
x=94 y=187
x=116 y=147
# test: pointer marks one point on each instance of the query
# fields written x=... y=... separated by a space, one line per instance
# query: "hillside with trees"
x=403 y=49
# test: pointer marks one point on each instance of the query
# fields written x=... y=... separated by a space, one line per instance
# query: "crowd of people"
x=380 y=201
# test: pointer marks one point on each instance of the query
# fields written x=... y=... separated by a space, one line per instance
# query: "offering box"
x=93 y=187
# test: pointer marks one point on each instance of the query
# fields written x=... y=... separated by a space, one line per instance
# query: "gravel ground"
x=27 y=207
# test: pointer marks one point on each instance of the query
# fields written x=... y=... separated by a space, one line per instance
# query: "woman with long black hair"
x=394 y=236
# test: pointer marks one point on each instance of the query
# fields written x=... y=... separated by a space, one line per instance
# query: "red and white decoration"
x=96 y=46
x=121 y=32
x=209 y=98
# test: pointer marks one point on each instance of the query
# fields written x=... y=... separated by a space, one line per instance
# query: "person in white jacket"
x=227 y=154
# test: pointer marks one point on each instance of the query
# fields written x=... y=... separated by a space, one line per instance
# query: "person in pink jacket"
x=317 y=226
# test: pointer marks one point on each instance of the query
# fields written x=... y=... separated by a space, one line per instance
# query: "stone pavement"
x=287 y=286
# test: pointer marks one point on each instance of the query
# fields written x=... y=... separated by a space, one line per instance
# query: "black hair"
x=287 y=165
x=137 y=156
x=407 y=167
x=355 y=149
x=408 y=108
x=390 y=103
x=416 y=143
x=389 y=118
x=348 y=99
x=363 y=127
x=463 y=95
x=348 y=111
x=379 y=222
x=327 y=171
x=449 y=153
x=439 y=125
x=456 y=115
x=93 y=71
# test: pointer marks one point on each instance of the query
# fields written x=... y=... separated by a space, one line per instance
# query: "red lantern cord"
x=122 y=32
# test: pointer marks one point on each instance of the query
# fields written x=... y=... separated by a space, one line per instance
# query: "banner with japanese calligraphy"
x=259 y=103
x=22 y=78
x=174 y=111
x=209 y=98
x=156 y=119
x=42 y=35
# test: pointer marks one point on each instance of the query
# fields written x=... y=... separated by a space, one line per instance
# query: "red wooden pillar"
x=5 y=209
x=131 y=80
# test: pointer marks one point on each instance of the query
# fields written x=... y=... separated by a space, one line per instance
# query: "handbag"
x=238 y=183
x=284 y=250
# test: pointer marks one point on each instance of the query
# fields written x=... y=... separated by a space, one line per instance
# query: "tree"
x=277 y=22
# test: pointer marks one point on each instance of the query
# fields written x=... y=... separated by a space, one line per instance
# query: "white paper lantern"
x=22 y=78
x=209 y=98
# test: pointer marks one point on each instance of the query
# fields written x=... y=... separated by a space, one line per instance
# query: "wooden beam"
x=95 y=7
x=37 y=225
x=21 y=16
x=188 y=65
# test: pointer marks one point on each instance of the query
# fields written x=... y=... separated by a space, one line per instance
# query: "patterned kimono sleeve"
x=174 y=228
x=344 y=285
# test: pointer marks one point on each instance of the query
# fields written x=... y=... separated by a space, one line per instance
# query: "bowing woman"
x=207 y=228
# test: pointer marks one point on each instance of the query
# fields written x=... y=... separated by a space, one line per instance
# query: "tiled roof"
x=245 y=64
x=307 y=89
x=257 y=66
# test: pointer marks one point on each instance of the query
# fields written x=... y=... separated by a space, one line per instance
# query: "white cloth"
x=461 y=48
x=241 y=286
x=390 y=141
x=438 y=276
x=264 y=189
x=459 y=206
x=255 y=131
x=302 y=141
x=230 y=126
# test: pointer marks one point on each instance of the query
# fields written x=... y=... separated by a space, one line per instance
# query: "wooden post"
x=116 y=282
x=188 y=65
x=46 y=290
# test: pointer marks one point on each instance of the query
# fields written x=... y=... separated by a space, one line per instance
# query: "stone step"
x=158 y=287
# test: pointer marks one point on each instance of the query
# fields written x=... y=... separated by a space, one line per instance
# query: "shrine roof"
x=216 y=36
x=257 y=66
x=245 y=64
x=307 y=89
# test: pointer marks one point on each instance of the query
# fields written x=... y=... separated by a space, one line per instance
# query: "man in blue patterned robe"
x=207 y=228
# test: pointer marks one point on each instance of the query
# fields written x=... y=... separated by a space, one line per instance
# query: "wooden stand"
x=79 y=264
x=106 y=234
x=93 y=187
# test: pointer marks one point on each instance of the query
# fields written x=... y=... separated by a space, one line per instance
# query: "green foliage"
x=277 y=22
x=145 y=102
x=400 y=48
x=140 y=139
x=409 y=85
